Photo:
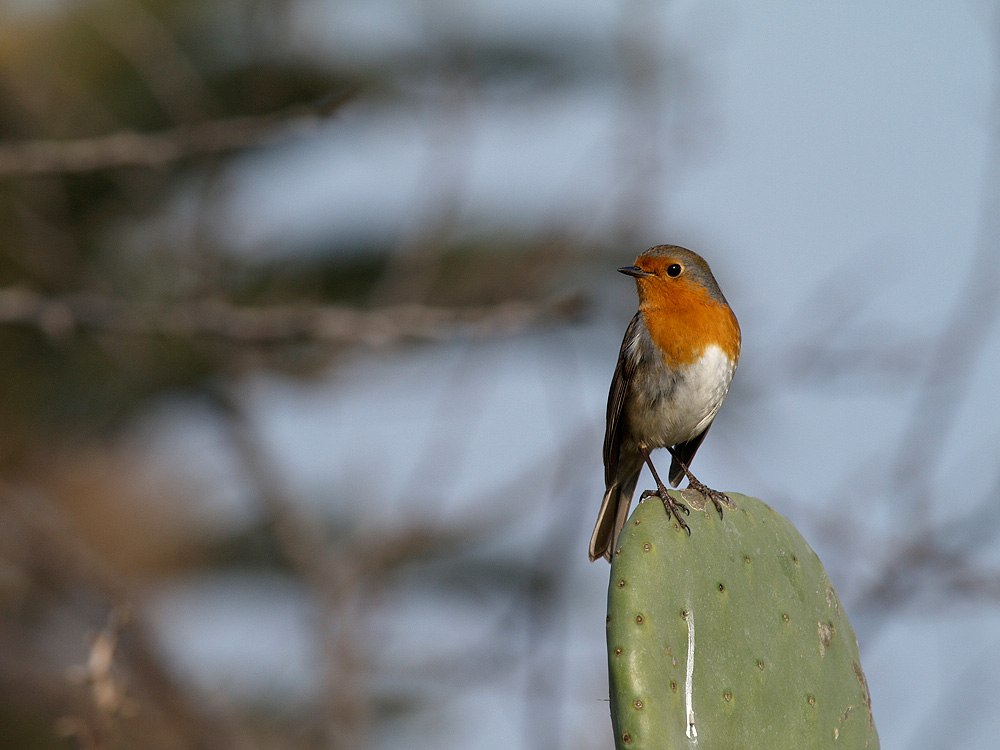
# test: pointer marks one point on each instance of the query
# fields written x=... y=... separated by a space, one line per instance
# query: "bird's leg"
x=672 y=506
x=718 y=498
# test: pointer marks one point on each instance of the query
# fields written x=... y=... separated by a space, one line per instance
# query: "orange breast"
x=683 y=320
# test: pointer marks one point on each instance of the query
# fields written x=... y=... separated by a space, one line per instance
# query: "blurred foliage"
x=98 y=68
x=75 y=530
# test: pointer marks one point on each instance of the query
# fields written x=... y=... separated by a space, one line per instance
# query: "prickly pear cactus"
x=732 y=637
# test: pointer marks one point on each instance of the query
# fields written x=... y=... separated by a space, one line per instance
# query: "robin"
x=674 y=369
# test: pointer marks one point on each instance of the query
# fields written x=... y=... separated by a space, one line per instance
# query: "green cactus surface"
x=732 y=637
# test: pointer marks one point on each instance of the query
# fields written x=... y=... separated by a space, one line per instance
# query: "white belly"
x=675 y=406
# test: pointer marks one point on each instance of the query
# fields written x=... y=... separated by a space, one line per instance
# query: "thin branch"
x=124 y=671
x=63 y=315
x=963 y=338
x=152 y=150
x=339 y=575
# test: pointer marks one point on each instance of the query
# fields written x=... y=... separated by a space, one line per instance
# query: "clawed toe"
x=718 y=498
x=672 y=506
x=717 y=503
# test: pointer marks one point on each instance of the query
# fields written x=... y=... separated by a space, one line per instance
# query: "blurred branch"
x=347 y=574
x=342 y=578
x=123 y=668
x=645 y=91
x=965 y=333
x=128 y=149
x=440 y=189
x=61 y=316
x=930 y=554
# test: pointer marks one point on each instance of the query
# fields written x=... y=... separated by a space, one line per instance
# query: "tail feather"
x=611 y=518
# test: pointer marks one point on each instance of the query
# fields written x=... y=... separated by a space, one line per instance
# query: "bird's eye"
x=674 y=270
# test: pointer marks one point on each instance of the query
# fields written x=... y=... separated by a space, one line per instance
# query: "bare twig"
x=931 y=556
x=337 y=575
x=95 y=708
x=61 y=316
x=145 y=150
x=107 y=693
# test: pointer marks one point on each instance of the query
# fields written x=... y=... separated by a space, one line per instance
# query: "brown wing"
x=624 y=373
x=685 y=452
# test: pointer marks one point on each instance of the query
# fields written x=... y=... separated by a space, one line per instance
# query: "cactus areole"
x=732 y=637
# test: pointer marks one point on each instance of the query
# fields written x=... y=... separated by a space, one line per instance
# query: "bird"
x=674 y=370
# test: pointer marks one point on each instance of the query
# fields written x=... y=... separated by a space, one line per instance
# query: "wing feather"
x=628 y=360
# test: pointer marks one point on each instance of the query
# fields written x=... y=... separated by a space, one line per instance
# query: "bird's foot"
x=674 y=507
x=718 y=498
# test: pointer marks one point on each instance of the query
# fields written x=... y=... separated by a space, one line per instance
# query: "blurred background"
x=308 y=312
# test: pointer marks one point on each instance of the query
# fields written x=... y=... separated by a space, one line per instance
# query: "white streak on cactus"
x=692 y=730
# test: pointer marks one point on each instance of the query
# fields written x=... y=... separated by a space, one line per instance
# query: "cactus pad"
x=732 y=637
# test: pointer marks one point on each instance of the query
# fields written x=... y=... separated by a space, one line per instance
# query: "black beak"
x=633 y=271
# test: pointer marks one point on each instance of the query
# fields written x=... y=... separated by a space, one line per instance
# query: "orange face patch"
x=683 y=318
